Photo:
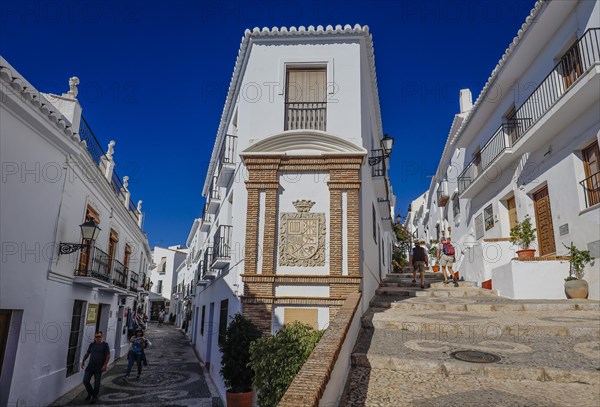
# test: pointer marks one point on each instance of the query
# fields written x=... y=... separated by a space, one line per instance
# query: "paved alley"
x=174 y=377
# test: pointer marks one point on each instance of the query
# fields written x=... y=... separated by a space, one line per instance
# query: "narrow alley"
x=174 y=377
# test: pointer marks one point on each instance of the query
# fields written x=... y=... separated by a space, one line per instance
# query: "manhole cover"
x=474 y=356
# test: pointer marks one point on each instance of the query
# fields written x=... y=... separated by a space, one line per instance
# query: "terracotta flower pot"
x=526 y=253
x=576 y=289
x=239 y=399
x=435 y=268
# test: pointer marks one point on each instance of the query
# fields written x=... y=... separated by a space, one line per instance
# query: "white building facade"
x=295 y=218
x=55 y=294
x=528 y=146
x=163 y=278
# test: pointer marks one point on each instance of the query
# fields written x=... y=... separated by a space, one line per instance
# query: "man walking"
x=418 y=260
x=99 y=354
x=447 y=258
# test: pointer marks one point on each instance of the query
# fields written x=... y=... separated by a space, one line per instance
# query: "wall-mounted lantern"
x=89 y=231
x=387 y=143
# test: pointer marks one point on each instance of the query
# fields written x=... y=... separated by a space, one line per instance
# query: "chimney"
x=466 y=100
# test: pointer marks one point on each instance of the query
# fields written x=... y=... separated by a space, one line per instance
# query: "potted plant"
x=235 y=349
x=433 y=258
x=575 y=285
x=522 y=234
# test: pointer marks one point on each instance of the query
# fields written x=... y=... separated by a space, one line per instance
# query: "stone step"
x=563 y=359
x=486 y=324
x=446 y=291
x=450 y=283
x=480 y=304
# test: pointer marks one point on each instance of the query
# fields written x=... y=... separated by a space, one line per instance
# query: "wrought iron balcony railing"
x=214 y=191
x=96 y=265
x=133 y=281
x=306 y=115
x=591 y=188
x=207 y=261
x=577 y=61
x=378 y=168
x=222 y=243
x=119 y=274
x=227 y=153
x=86 y=134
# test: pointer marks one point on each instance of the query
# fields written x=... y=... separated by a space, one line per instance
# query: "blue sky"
x=154 y=76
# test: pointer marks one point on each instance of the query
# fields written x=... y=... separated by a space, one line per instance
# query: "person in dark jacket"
x=99 y=354
x=418 y=260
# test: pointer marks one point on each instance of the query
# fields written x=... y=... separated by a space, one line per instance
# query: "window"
x=455 y=206
x=570 y=65
x=306 y=99
x=159 y=287
x=74 y=349
x=90 y=214
x=591 y=163
x=488 y=214
x=223 y=321
x=127 y=255
x=112 y=247
x=479 y=226
x=308 y=316
x=374 y=223
x=202 y=320
x=477 y=161
x=511 y=206
x=162 y=266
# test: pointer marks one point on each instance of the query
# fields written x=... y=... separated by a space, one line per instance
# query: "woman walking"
x=136 y=353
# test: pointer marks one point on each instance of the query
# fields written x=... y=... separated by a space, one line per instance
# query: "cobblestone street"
x=174 y=377
x=548 y=350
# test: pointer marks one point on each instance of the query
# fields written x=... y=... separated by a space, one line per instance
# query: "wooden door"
x=591 y=159
x=571 y=66
x=112 y=245
x=512 y=211
x=543 y=217
x=86 y=251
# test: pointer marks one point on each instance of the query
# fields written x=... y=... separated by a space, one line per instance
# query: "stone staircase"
x=425 y=347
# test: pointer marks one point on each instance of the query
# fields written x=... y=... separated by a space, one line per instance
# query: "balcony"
x=94 y=272
x=207 y=270
x=221 y=255
x=227 y=161
x=378 y=169
x=442 y=194
x=133 y=281
x=591 y=189
x=555 y=102
x=214 y=198
x=306 y=115
x=207 y=219
x=119 y=277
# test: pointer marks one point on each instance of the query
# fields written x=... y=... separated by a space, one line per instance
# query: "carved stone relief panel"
x=302 y=236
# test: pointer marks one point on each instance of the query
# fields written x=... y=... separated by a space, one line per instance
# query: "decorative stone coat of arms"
x=302 y=236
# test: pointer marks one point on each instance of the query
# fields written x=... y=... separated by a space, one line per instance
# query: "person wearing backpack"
x=419 y=260
x=447 y=259
x=136 y=353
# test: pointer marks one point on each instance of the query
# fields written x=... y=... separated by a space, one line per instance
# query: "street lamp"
x=89 y=231
x=398 y=219
x=387 y=143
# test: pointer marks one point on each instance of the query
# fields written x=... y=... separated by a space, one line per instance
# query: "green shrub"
x=522 y=234
x=277 y=360
x=235 y=350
